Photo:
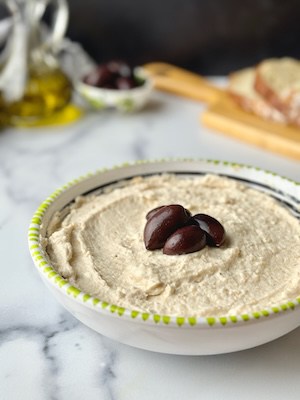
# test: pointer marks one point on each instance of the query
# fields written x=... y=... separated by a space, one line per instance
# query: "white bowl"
x=128 y=100
x=161 y=333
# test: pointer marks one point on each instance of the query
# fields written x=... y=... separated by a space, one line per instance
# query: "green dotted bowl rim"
x=48 y=272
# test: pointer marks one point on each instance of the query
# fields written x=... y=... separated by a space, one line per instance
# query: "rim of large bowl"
x=48 y=272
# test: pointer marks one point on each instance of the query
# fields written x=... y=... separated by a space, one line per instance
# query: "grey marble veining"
x=45 y=353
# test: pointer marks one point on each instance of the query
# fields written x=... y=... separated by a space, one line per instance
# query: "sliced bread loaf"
x=241 y=88
x=278 y=81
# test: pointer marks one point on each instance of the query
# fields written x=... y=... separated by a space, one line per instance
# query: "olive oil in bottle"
x=47 y=92
x=43 y=90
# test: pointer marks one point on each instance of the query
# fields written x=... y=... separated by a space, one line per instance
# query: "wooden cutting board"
x=223 y=114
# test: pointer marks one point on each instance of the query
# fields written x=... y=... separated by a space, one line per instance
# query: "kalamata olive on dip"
x=187 y=239
x=162 y=224
x=174 y=229
x=152 y=212
x=214 y=230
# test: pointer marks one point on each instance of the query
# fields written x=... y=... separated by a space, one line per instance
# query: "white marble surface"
x=45 y=353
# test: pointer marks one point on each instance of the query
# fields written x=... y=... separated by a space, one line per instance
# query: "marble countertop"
x=45 y=353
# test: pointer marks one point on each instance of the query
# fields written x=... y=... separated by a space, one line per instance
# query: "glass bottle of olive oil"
x=47 y=91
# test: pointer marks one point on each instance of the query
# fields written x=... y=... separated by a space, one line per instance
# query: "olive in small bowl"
x=116 y=85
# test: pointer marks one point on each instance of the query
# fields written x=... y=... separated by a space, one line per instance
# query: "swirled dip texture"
x=99 y=248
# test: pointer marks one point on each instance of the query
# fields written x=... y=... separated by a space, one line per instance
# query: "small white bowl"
x=128 y=100
x=162 y=333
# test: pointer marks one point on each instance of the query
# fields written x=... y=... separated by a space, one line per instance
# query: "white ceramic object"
x=128 y=100
x=162 y=333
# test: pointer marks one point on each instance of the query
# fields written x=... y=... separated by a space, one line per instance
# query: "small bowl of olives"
x=115 y=84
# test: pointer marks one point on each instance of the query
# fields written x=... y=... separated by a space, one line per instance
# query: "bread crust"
x=289 y=107
x=268 y=94
x=254 y=106
x=241 y=101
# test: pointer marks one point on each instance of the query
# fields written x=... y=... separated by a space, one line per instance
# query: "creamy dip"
x=99 y=248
